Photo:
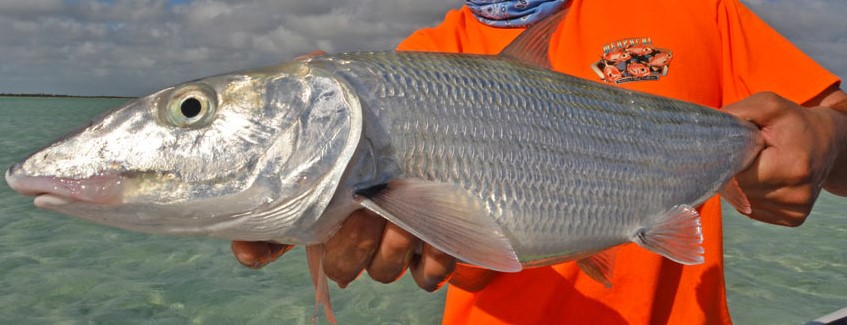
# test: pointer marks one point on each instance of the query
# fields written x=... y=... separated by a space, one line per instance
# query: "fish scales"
x=555 y=159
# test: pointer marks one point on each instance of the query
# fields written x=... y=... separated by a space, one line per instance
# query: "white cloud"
x=133 y=47
x=24 y=7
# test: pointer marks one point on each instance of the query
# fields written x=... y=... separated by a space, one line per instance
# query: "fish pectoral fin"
x=314 y=256
x=446 y=217
x=733 y=194
x=599 y=266
x=676 y=234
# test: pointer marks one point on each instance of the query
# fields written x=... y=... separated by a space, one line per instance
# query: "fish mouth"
x=50 y=191
x=107 y=199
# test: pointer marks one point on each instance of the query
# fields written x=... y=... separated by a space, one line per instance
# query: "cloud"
x=11 y=7
x=133 y=47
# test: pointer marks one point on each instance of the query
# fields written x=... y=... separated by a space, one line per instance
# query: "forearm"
x=836 y=180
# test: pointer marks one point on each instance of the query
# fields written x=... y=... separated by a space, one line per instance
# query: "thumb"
x=760 y=108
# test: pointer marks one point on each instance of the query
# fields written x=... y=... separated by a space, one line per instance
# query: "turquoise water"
x=778 y=275
x=59 y=270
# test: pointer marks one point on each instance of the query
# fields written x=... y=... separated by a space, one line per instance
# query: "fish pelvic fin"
x=677 y=234
x=314 y=256
x=533 y=44
x=733 y=194
x=599 y=266
x=446 y=217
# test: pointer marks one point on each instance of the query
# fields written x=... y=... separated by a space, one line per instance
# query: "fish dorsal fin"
x=533 y=45
x=446 y=217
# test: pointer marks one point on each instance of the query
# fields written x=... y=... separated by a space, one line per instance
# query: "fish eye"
x=191 y=106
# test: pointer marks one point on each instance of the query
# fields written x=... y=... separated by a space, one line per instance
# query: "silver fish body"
x=564 y=167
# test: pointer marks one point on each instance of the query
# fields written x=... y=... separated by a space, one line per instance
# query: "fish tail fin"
x=677 y=234
x=315 y=254
x=733 y=194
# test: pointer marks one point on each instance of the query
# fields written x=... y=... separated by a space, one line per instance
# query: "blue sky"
x=134 y=47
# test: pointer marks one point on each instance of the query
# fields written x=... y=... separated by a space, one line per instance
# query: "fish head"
x=638 y=70
x=612 y=73
x=639 y=50
x=618 y=55
x=253 y=155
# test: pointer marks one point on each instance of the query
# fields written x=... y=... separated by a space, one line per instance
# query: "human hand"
x=364 y=242
x=368 y=242
x=801 y=146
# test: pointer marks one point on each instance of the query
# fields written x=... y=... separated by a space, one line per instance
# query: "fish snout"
x=13 y=176
x=102 y=189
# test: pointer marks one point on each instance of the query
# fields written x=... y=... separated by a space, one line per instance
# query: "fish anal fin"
x=533 y=44
x=448 y=218
x=314 y=256
x=676 y=234
x=733 y=194
x=599 y=266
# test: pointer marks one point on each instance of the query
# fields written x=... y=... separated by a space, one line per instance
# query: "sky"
x=135 y=47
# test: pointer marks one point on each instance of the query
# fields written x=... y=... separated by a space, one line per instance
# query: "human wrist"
x=836 y=180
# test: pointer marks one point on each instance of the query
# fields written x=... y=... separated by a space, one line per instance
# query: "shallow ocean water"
x=778 y=275
x=59 y=270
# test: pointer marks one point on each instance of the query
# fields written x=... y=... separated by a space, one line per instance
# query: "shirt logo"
x=633 y=59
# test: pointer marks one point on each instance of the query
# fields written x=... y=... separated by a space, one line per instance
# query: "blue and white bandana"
x=513 y=13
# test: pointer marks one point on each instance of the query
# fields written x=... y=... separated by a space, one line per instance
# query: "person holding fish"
x=534 y=156
x=711 y=52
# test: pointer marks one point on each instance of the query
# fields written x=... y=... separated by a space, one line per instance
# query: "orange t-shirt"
x=718 y=52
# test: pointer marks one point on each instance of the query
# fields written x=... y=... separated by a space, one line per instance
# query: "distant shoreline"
x=62 y=96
